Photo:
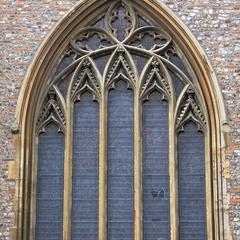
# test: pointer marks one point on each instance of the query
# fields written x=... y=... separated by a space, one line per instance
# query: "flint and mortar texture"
x=24 y=25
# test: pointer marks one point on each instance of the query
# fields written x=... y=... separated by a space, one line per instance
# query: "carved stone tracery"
x=52 y=111
x=91 y=39
x=120 y=68
x=144 y=39
x=139 y=37
x=190 y=110
x=86 y=79
x=150 y=38
x=118 y=14
x=154 y=79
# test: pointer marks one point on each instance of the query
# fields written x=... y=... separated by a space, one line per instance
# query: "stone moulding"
x=37 y=80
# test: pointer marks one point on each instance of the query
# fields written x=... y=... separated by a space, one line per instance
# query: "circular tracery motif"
x=130 y=47
x=121 y=26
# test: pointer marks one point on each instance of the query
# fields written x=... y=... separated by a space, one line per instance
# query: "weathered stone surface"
x=23 y=26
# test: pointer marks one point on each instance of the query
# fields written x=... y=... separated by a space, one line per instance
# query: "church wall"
x=25 y=24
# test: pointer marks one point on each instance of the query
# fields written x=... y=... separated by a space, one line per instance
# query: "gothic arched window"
x=121 y=137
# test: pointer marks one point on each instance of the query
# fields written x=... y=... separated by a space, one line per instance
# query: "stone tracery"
x=135 y=38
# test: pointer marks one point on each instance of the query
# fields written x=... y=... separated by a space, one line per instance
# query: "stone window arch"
x=120 y=130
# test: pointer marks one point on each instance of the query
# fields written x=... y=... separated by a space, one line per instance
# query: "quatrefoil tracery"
x=121 y=25
x=139 y=36
x=92 y=39
x=120 y=20
x=97 y=39
x=149 y=38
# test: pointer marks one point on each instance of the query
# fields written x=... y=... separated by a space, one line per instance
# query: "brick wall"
x=23 y=26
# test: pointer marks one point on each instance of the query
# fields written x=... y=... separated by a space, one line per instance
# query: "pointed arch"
x=54 y=110
x=120 y=66
x=188 y=109
x=85 y=78
x=155 y=77
x=40 y=77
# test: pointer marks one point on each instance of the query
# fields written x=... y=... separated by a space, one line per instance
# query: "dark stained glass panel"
x=177 y=61
x=101 y=62
x=140 y=62
x=192 y=206
x=49 y=199
x=85 y=169
x=120 y=163
x=155 y=169
x=178 y=84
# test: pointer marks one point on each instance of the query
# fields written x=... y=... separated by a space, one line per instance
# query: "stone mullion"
x=102 y=222
x=67 y=202
x=173 y=175
x=138 y=203
x=173 y=165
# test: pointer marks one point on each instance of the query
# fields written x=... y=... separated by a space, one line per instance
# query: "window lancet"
x=50 y=179
x=120 y=162
x=122 y=136
x=156 y=204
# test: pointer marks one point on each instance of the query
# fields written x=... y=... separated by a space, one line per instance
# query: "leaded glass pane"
x=85 y=169
x=155 y=169
x=49 y=199
x=120 y=163
x=140 y=62
x=192 y=213
x=178 y=84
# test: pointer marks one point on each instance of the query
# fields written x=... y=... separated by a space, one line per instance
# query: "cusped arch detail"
x=39 y=78
x=204 y=70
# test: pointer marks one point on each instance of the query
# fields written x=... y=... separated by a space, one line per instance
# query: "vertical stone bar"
x=173 y=173
x=102 y=218
x=67 y=203
x=138 y=210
